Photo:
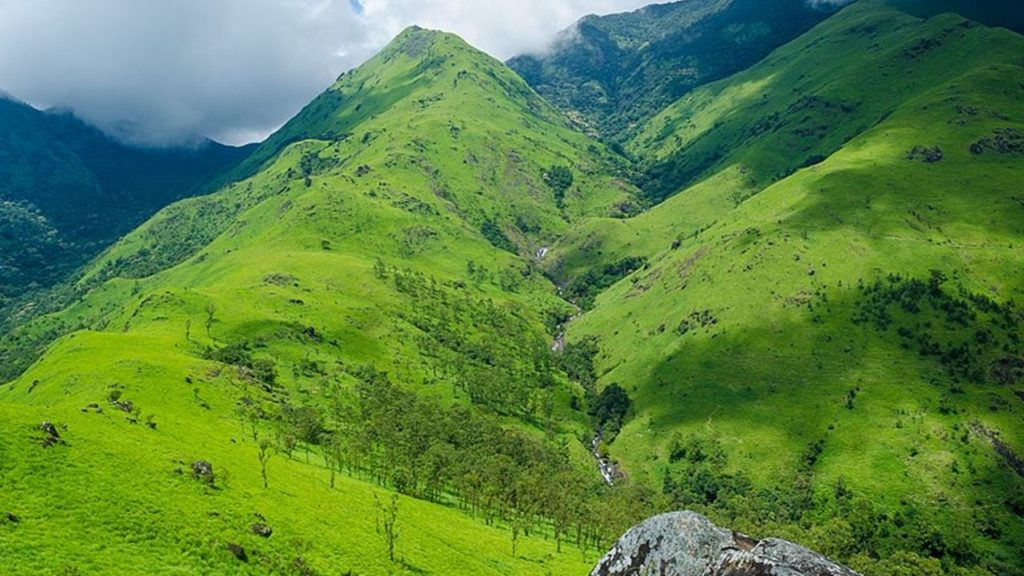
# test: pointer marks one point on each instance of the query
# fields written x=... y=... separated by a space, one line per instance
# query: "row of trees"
x=494 y=354
x=456 y=455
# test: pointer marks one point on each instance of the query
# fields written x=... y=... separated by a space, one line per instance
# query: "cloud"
x=159 y=72
x=828 y=3
x=499 y=27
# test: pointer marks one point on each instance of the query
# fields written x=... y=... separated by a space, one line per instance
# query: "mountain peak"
x=415 y=41
x=417 y=70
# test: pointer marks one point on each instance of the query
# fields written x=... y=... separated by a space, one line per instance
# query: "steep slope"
x=729 y=140
x=833 y=353
x=802 y=103
x=611 y=73
x=364 y=312
x=67 y=191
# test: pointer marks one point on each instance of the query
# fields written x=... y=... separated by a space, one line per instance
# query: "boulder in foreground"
x=688 y=544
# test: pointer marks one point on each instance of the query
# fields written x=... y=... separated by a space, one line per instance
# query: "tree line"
x=456 y=455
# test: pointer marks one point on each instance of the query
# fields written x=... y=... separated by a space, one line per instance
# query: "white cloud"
x=828 y=3
x=163 y=72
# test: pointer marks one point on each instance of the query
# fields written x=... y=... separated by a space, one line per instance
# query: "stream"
x=609 y=472
x=558 y=346
x=608 y=469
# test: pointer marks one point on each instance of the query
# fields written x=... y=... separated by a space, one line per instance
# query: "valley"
x=463 y=317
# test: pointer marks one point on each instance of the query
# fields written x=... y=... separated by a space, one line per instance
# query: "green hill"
x=612 y=73
x=364 y=306
x=824 y=339
x=411 y=308
x=67 y=191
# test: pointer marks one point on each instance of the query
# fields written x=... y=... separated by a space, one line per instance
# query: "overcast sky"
x=170 y=71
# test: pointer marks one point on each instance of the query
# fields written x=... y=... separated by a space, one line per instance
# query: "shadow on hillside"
x=929 y=203
x=791 y=377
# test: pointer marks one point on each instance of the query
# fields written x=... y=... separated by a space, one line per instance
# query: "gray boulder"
x=688 y=544
x=203 y=471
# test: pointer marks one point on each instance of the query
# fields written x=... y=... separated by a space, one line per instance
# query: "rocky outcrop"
x=688 y=544
x=52 y=436
x=262 y=530
x=203 y=471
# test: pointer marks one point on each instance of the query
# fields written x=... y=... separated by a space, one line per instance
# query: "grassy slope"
x=110 y=501
x=777 y=261
x=729 y=140
x=389 y=176
x=988 y=12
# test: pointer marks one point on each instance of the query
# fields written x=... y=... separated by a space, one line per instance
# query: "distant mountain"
x=67 y=191
x=611 y=73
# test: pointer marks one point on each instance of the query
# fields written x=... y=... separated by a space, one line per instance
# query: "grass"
x=112 y=499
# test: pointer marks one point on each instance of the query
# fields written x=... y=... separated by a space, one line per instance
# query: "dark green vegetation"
x=585 y=288
x=387 y=347
x=67 y=192
x=612 y=73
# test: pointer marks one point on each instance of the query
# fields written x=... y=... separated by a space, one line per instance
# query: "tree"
x=515 y=535
x=380 y=269
x=610 y=409
x=288 y=443
x=387 y=518
x=302 y=423
x=265 y=453
x=559 y=179
x=211 y=311
x=252 y=413
x=497 y=237
x=334 y=452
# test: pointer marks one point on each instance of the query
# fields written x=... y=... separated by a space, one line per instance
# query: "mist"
x=161 y=73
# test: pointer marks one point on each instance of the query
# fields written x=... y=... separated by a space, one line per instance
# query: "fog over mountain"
x=172 y=72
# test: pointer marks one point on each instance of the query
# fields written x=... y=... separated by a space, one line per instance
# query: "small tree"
x=388 y=517
x=515 y=536
x=334 y=445
x=211 y=311
x=265 y=452
x=288 y=443
x=380 y=269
